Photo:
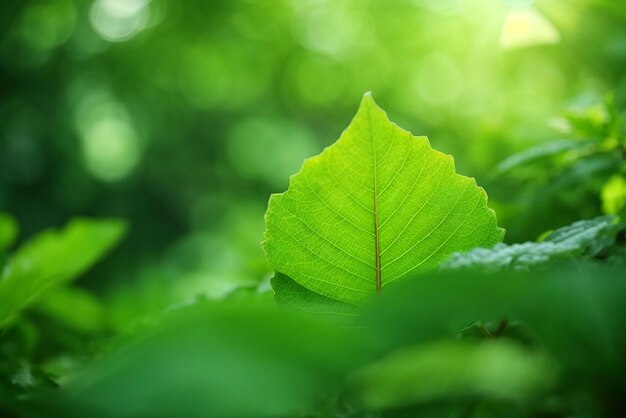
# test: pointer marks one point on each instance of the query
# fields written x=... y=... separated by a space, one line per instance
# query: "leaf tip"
x=368 y=99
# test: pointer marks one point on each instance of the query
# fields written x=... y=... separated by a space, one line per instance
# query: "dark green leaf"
x=227 y=359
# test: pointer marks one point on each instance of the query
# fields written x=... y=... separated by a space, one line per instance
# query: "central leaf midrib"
x=379 y=286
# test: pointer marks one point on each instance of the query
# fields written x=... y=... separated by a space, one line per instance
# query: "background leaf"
x=228 y=359
x=453 y=369
x=51 y=259
x=583 y=239
x=576 y=312
x=541 y=151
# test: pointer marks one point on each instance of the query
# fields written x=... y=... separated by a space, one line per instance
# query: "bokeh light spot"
x=111 y=149
x=119 y=20
x=111 y=146
x=525 y=27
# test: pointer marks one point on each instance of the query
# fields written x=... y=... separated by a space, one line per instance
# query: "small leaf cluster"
x=576 y=174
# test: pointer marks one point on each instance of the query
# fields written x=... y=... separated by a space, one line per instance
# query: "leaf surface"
x=290 y=294
x=51 y=259
x=375 y=206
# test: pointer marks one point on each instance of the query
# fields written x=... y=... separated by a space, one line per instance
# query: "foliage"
x=584 y=344
x=583 y=239
x=569 y=175
x=52 y=259
x=181 y=118
x=491 y=330
x=232 y=359
x=412 y=349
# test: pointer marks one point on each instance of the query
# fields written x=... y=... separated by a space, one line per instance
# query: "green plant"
x=466 y=326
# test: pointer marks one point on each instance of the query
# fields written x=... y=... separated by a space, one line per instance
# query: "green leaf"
x=75 y=308
x=583 y=239
x=446 y=369
x=373 y=207
x=292 y=295
x=51 y=259
x=224 y=359
x=575 y=311
x=540 y=152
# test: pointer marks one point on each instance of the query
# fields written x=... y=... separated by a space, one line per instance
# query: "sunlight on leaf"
x=376 y=205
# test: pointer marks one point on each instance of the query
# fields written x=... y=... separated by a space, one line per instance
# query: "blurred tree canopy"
x=182 y=117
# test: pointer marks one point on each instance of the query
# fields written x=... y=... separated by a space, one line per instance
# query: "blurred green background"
x=183 y=117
